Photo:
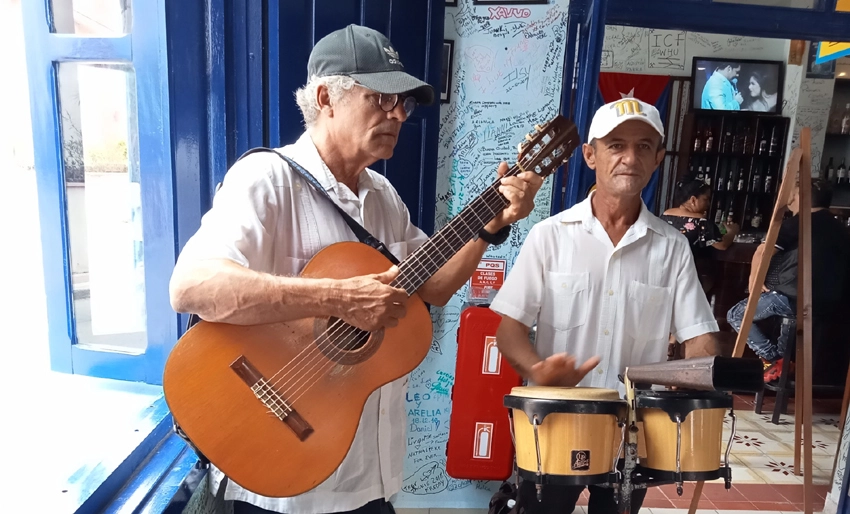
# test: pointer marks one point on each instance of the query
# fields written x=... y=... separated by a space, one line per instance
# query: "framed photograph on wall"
x=447 y=71
x=818 y=71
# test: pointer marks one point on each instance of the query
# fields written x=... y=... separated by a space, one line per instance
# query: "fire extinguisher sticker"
x=492 y=362
x=483 y=440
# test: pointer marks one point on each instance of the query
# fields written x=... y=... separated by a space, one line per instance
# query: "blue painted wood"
x=150 y=62
x=254 y=17
x=145 y=49
x=47 y=146
x=154 y=483
x=185 y=30
x=590 y=49
x=272 y=74
x=67 y=47
x=296 y=41
x=94 y=486
x=724 y=18
x=216 y=101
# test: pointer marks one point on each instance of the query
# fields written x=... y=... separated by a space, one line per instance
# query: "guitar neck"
x=421 y=265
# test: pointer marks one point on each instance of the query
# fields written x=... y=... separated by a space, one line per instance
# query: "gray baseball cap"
x=368 y=57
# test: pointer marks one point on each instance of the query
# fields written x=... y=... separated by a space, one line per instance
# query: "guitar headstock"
x=548 y=146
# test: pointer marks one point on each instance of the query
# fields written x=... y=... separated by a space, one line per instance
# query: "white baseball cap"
x=612 y=114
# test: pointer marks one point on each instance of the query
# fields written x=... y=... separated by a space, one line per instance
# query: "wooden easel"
x=800 y=162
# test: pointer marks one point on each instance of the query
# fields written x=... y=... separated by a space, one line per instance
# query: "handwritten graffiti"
x=500 y=13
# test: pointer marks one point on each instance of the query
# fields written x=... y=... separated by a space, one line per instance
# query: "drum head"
x=566 y=393
x=683 y=402
x=540 y=401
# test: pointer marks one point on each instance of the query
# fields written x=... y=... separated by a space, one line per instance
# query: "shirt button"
x=383 y=412
x=610 y=292
x=599 y=370
x=606 y=332
x=563 y=284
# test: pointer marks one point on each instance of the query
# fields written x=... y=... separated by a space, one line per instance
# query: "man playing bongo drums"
x=606 y=282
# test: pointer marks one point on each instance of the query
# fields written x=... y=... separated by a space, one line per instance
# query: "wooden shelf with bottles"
x=740 y=156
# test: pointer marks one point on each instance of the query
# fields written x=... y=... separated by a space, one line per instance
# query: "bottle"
x=830 y=171
x=774 y=143
x=707 y=176
x=756 y=185
x=747 y=141
x=700 y=175
x=698 y=141
x=737 y=142
x=768 y=181
x=730 y=217
x=721 y=179
x=727 y=142
x=842 y=173
x=718 y=215
x=730 y=183
x=762 y=144
x=845 y=120
x=709 y=140
x=756 y=217
x=741 y=174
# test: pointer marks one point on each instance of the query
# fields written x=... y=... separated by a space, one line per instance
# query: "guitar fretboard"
x=421 y=265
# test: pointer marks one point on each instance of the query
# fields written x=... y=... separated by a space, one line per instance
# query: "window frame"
x=144 y=48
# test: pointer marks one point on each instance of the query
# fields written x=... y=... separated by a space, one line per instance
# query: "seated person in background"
x=693 y=199
x=830 y=255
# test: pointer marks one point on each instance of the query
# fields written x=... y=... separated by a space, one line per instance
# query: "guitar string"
x=301 y=391
x=342 y=327
x=316 y=367
x=354 y=333
x=357 y=333
x=332 y=331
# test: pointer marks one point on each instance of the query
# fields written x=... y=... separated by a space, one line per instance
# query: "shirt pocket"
x=648 y=312
x=565 y=305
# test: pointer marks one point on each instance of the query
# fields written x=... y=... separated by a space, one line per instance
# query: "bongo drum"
x=683 y=432
x=566 y=435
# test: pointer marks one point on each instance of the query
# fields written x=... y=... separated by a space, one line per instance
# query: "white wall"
x=671 y=52
x=507 y=76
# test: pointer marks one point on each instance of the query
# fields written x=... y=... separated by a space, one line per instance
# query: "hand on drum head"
x=560 y=370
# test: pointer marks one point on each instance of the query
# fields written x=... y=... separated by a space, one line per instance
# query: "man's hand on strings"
x=520 y=191
x=369 y=302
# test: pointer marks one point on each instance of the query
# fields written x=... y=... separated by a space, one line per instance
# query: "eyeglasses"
x=388 y=101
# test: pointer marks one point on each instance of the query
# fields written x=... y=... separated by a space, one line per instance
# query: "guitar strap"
x=362 y=234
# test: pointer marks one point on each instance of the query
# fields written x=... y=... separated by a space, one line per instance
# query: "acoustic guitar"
x=276 y=406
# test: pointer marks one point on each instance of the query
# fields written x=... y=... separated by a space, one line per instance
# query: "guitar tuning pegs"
x=538 y=128
x=520 y=147
x=528 y=137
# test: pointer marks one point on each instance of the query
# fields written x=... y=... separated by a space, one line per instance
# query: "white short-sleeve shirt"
x=269 y=219
x=590 y=298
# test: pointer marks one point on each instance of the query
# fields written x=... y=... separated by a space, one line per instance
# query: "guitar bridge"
x=271 y=398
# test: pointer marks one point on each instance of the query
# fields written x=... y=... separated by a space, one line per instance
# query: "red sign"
x=490 y=274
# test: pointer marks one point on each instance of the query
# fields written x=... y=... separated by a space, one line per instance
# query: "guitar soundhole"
x=343 y=343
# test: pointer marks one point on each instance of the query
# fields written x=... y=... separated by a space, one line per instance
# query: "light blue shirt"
x=718 y=94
